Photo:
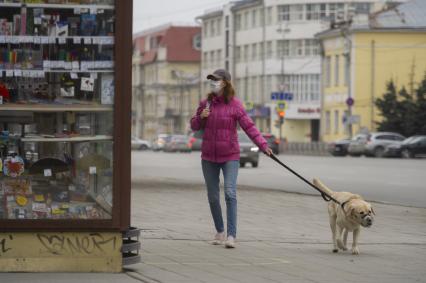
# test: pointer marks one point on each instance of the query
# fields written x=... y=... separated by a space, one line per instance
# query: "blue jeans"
x=211 y=172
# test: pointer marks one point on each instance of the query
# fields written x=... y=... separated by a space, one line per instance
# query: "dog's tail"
x=322 y=187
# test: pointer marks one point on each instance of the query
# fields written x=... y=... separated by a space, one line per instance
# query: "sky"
x=151 y=13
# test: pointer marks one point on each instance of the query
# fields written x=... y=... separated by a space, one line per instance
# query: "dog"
x=352 y=213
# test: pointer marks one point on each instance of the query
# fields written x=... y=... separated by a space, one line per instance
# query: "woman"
x=218 y=116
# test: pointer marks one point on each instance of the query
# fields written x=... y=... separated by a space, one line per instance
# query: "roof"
x=411 y=14
x=178 y=42
x=407 y=17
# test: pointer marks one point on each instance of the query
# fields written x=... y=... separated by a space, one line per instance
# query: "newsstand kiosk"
x=65 y=103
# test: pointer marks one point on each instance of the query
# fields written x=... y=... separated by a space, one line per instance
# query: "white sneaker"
x=230 y=243
x=219 y=238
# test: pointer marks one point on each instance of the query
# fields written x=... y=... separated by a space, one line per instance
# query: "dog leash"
x=324 y=195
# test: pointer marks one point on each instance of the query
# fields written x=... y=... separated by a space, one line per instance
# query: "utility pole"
x=283 y=31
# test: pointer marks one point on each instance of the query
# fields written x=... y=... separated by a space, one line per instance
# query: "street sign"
x=248 y=105
x=350 y=101
x=282 y=96
x=281 y=105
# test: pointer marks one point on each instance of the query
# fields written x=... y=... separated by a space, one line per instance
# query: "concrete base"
x=60 y=252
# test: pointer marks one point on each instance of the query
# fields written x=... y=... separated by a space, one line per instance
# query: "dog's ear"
x=349 y=210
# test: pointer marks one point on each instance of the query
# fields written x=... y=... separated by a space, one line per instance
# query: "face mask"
x=215 y=86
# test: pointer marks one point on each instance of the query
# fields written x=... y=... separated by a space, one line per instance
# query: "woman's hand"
x=268 y=151
x=205 y=113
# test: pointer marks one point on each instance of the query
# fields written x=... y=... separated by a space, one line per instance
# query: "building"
x=361 y=57
x=166 y=71
x=270 y=46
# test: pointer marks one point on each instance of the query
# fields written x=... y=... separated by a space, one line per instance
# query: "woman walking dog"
x=218 y=116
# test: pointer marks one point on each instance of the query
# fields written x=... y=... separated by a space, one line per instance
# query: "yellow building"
x=166 y=72
x=361 y=57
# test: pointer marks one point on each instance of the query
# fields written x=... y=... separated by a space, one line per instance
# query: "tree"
x=403 y=112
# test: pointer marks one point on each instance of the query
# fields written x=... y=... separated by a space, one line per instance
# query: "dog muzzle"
x=367 y=220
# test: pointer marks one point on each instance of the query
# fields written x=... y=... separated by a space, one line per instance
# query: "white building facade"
x=270 y=46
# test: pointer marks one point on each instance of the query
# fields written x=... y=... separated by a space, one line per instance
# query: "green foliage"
x=402 y=112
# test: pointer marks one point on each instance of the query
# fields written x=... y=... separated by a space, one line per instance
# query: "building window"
x=327 y=71
x=227 y=21
x=238 y=53
x=238 y=22
x=219 y=58
x=269 y=51
x=196 y=42
x=219 y=27
x=261 y=50
x=245 y=20
x=313 y=12
x=347 y=70
x=311 y=47
x=296 y=12
x=336 y=121
x=206 y=29
x=269 y=19
x=327 y=122
x=299 y=47
x=212 y=28
x=212 y=59
x=283 y=13
x=254 y=18
x=254 y=52
x=336 y=70
x=246 y=53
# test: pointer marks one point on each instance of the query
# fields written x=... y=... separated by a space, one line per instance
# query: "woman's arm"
x=197 y=123
x=249 y=127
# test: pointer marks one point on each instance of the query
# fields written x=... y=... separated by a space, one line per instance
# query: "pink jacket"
x=220 y=139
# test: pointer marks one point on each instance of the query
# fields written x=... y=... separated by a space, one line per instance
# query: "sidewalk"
x=281 y=238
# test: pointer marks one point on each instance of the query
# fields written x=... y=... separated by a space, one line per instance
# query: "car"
x=373 y=144
x=356 y=145
x=409 y=148
x=196 y=140
x=273 y=142
x=339 y=148
x=177 y=143
x=249 y=152
x=140 y=144
x=160 y=141
x=377 y=142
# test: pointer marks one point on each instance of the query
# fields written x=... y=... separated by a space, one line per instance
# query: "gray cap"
x=220 y=74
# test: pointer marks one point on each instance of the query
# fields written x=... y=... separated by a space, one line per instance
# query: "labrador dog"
x=353 y=213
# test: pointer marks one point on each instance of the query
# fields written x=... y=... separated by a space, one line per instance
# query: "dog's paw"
x=335 y=250
x=340 y=244
x=355 y=251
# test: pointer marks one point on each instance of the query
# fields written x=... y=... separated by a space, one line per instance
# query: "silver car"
x=375 y=144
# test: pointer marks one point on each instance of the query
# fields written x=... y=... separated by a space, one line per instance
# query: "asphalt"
x=282 y=237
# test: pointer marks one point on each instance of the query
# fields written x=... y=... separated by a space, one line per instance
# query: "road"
x=396 y=181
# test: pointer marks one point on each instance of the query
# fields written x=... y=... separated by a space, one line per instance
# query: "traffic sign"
x=281 y=105
x=350 y=101
x=282 y=96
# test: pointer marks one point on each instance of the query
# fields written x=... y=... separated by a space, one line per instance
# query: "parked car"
x=160 y=141
x=249 y=152
x=356 y=145
x=377 y=142
x=140 y=144
x=177 y=143
x=273 y=142
x=339 y=148
x=373 y=144
x=195 y=140
x=409 y=148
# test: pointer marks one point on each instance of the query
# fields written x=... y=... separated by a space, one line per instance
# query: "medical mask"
x=216 y=86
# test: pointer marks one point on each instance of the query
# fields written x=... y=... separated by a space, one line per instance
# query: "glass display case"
x=64 y=104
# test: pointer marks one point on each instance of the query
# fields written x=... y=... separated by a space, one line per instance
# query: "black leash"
x=324 y=195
